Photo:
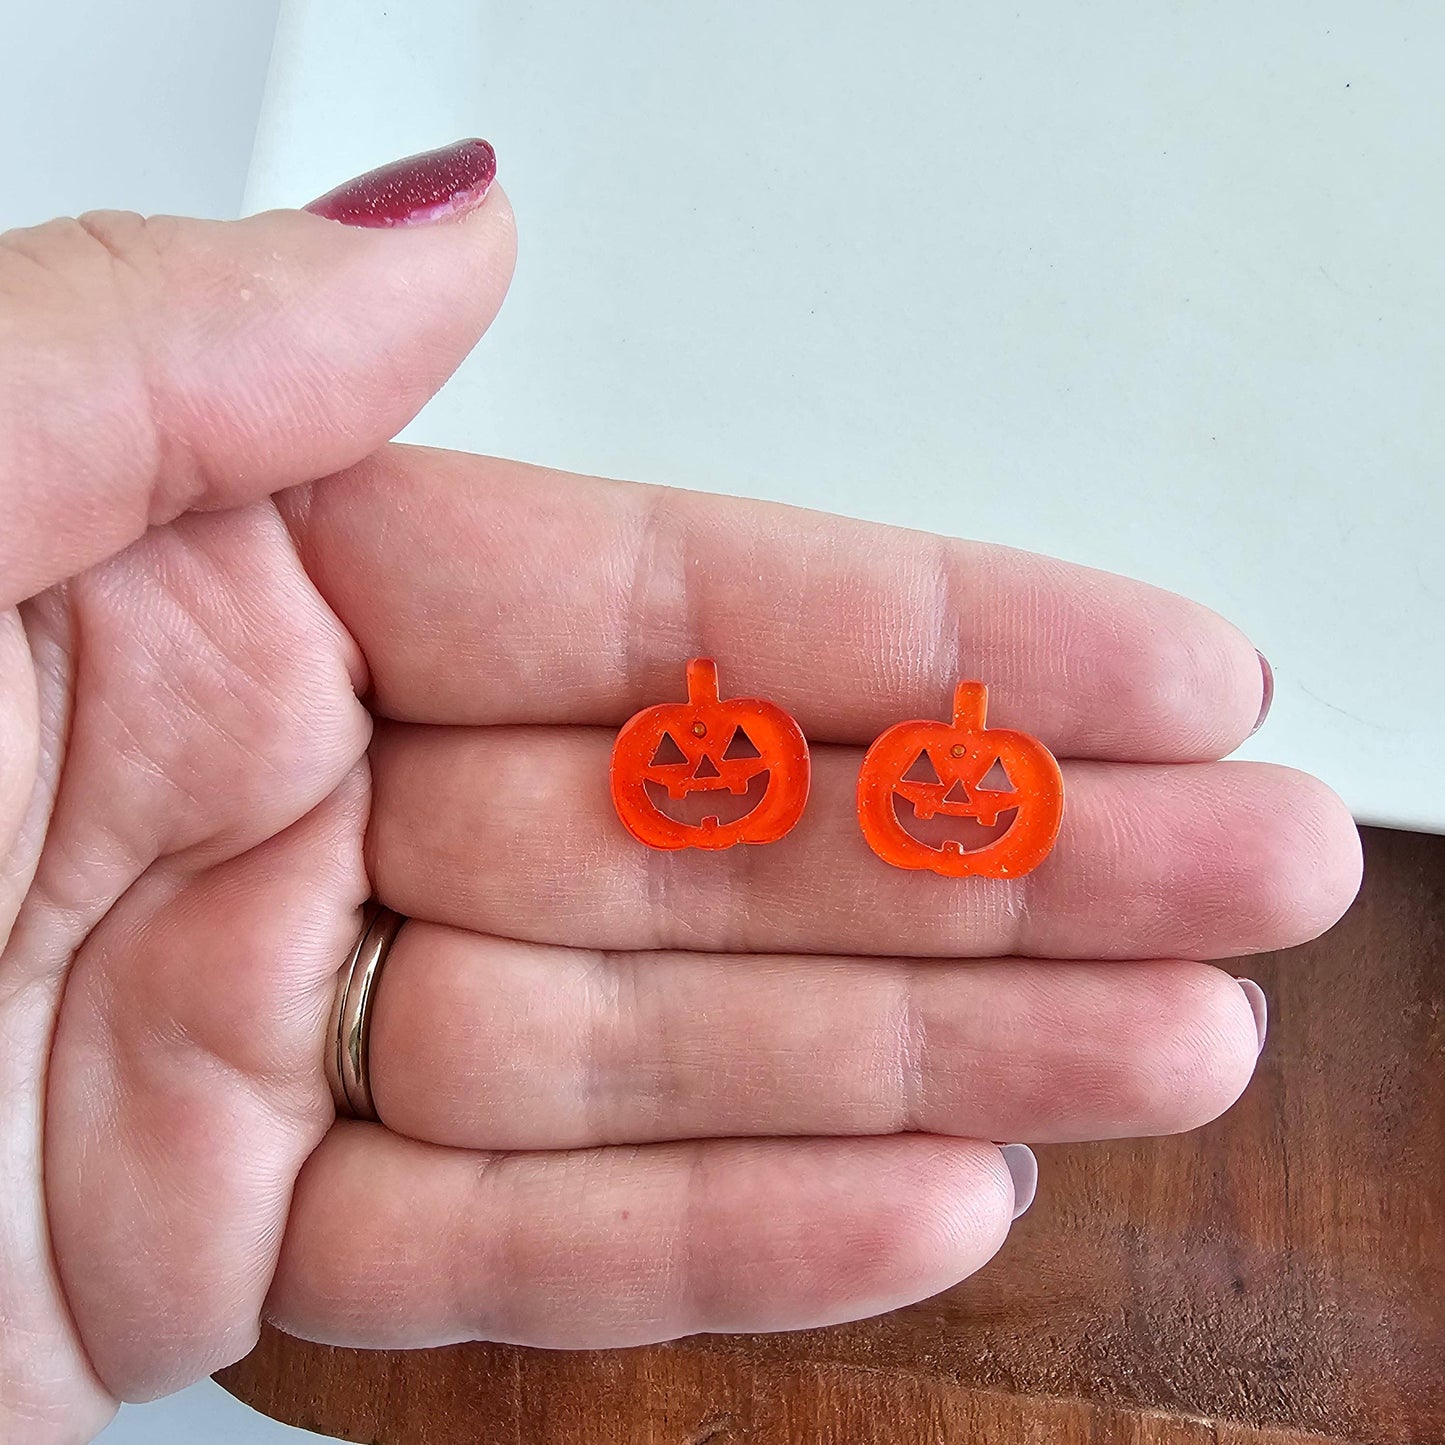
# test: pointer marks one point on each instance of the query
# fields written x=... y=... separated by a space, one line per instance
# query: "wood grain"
x=1278 y=1277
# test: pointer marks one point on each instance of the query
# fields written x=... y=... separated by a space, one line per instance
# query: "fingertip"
x=1298 y=875
x=1201 y=1052
x=1176 y=681
x=1204 y=679
x=334 y=335
x=946 y=1214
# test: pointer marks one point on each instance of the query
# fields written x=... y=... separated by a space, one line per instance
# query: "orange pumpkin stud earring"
x=958 y=798
x=709 y=772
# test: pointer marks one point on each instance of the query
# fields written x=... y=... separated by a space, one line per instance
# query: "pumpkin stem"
x=970 y=702
x=701 y=680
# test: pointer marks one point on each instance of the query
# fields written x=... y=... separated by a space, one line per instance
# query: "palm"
x=625 y=1094
x=211 y=801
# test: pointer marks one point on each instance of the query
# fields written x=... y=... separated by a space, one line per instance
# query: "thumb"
x=152 y=366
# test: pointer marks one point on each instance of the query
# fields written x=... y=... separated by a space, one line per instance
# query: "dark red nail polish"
x=1268 y=697
x=429 y=187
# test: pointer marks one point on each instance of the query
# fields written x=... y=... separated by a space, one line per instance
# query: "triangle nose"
x=706 y=768
x=957 y=793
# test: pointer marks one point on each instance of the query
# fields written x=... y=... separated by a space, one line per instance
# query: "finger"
x=566 y=599
x=487 y=1043
x=511 y=831
x=150 y=366
x=396 y=1244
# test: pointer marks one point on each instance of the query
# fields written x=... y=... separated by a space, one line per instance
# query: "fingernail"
x=1268 y=697
x=428 y=187
x=1258 y=1006
x=1023 y=1169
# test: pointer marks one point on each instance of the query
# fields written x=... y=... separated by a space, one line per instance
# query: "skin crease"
x=255 y=664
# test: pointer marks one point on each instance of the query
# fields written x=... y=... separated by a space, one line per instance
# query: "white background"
x=1155 y=287
x=1162 y=294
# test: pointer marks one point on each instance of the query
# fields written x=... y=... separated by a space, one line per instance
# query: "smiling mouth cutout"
x=948 y=831
x=708 y=803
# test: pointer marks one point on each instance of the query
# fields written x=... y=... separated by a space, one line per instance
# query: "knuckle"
x=131 y=244
x=87 y=253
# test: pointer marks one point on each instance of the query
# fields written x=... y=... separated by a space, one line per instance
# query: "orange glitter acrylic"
x=922 y=783
x=741 y=747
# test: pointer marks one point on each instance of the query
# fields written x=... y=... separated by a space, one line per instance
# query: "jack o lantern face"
x=710 y=772
x=958 y=798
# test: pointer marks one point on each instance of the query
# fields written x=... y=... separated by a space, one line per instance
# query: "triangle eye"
x=741 y=746
x=922 y=770
x=668 y=753
x=997 y=780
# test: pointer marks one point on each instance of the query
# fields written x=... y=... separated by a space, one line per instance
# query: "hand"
x=628 y=1094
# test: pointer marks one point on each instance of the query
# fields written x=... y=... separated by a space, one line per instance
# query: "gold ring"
x=346 y=1059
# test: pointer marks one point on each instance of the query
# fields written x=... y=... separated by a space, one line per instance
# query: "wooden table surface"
x=1277 y=1277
